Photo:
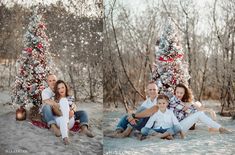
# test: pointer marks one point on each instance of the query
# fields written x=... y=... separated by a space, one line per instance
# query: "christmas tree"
x=170 y=68
x=32 y=64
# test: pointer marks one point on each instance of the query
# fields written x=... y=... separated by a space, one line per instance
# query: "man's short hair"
x=152 y=82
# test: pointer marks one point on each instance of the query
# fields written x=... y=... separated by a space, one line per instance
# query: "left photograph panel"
x=51 y=92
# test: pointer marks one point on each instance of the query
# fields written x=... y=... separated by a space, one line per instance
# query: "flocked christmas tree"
x=170 y=67
x=32 y=64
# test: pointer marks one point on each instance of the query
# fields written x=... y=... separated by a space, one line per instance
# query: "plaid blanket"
x=41 y=124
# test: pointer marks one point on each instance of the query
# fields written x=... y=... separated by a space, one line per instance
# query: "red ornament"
x=41 y=25
x=167 y=60
x=180 y=56
x=29 y=50
x=39 y=45
x=161 y=59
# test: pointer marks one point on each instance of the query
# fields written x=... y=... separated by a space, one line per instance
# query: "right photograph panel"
x=168 y=77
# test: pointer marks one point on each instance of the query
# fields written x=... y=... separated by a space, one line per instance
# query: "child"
x=163 y=121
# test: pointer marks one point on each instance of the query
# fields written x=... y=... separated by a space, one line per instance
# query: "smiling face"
x=51 y=80
x=162 y=104
x=61 y=90
x=152 y=90
x=179 y=92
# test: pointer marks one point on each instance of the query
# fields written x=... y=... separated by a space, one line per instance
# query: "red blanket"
x=40 y=124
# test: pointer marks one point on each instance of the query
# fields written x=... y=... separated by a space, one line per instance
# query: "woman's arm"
x=199 y=107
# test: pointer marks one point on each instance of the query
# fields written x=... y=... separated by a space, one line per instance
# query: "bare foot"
x=119 y=135
x=66 y=141
x=224 y=131
x=143 y=137
x=124 y=134
x=55 y=130
x=170 y=137
x=84 y=130
x=213 y=130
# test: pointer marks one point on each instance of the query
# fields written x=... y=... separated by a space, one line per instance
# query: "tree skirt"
x=41 y=124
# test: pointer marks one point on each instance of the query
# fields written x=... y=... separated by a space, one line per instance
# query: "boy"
x=163 y=121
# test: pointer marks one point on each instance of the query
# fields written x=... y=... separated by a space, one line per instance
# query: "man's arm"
x=49 y=102
x=147 y=113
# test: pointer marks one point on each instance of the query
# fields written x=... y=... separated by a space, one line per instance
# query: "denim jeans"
x=173 y=130
x=82 y=117
x=139 y=124
x=122 y=124
x=47 y=115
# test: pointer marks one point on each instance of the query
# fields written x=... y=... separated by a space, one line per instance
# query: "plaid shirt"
x=177 y=106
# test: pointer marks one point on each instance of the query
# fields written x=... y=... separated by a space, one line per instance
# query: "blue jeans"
x=123 y=123
x=47 y=115
x=173 y=130
x=139 y=124
x=82 y=117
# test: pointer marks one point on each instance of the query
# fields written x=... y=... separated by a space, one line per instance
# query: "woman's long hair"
x=57 y=94
x=188 y=96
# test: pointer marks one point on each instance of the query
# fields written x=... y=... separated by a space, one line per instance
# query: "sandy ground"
x=21 y=137
x=199 y=141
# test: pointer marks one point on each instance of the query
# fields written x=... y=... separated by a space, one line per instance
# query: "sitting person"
x=163 y=121
x=186 y=114
x=65 y=121
x=46 y=110
x=189 y=114
x=123 y=128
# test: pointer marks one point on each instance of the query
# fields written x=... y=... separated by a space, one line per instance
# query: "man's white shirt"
x=148 y=103
x=47 y=93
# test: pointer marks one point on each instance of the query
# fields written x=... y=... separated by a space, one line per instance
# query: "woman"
x=66 y=121
x=187 y=113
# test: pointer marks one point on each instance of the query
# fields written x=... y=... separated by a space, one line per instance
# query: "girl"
x=66 y=121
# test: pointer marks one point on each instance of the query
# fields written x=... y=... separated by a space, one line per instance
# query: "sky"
x=137 y=6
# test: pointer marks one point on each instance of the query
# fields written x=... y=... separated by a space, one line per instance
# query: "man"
x=124 y=124
x=47 y=114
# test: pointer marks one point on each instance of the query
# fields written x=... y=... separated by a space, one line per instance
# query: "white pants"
x=194 y=118
x=63 y=122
